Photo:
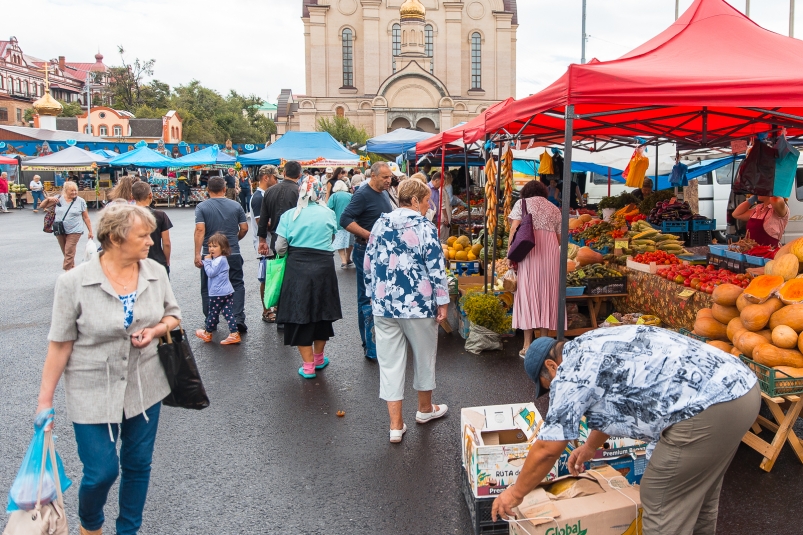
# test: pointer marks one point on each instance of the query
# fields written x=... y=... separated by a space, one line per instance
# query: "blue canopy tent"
x=208 y=157
x=310 y=149
x=108 y=154
x=396 y=142
x=142 y=157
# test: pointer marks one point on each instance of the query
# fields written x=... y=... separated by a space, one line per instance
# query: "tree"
x=125 y=83
x=342 y=130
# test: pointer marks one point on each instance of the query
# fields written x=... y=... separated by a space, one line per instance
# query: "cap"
x=394 y=168
x=534 y=360
x=330 y=170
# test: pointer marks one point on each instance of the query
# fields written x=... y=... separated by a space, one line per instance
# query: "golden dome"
x=47 y=105
x=412 y=10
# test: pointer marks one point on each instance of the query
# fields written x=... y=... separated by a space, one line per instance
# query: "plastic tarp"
x=4 y=160
x=310 y=149
x=396 y=142
x=71 y=157
x=142 y=157
x=710 y=77
x=208 y=156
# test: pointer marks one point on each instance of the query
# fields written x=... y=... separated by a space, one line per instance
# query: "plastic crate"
x=755 y=260
x=480 y=511
x=465 y=268
x=772 y=382
x=718 y=250
x=580 y=243
x=703 y=224
x=606 y=286
x=686 y=332
x=574 y=291
x=673 y=227
x=699 y=238
x=734 y=255
x=718 y=261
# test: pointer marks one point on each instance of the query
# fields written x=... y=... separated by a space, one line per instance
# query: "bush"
x=486 y=310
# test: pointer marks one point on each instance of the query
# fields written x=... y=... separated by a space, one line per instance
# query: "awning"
x=142 y=157
x=69 y=159
x=396 y=142
x=310 y=149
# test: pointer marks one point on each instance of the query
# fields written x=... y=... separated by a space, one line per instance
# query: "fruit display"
x=17 y=188
x=785 y=265
x=670 y=211
x=586 y=256
x=582 y=275
x=703 y=278
x=461 y=249
x=645 y=239
x=661 y=258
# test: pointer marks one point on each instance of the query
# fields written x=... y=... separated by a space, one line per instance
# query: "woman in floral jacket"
x=405 y=277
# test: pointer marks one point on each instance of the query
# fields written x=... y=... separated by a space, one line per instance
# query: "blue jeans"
x=102 y=465
x=38 y=196
x=358 y=257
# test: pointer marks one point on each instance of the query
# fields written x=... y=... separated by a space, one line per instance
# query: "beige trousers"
x=680 y=488
x=68 y=243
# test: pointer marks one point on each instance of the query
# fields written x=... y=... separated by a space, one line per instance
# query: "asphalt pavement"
x=270 y=455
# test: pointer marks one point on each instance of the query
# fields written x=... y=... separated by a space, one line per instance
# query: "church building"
x=388 y=64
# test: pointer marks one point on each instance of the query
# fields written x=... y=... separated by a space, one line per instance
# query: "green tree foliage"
x=125 y=83
x=342 y=130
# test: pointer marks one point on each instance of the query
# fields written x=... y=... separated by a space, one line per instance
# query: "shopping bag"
x=785 y=168
x=37 y=471
x=90 y=251
x=678 y=177
x=370 y=333
x=510 y=281
x=186 y=388
x=261 y=274
x=756 y=174
x=524 y=239
x=481 y=339
x=274 y=276
x=636 y=170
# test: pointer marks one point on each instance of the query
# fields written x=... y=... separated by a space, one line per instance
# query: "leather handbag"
x=58 y=226
x=524 y=239
x=186 y=388
x=48 y=519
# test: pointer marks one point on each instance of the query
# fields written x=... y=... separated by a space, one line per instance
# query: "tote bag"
x=524 y=239
x=186 y=388
x=274 y=276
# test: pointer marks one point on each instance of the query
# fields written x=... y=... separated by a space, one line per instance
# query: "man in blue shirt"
x=691 y=401
x=367 y=204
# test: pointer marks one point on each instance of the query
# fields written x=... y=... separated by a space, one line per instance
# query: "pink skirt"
x=536 y=302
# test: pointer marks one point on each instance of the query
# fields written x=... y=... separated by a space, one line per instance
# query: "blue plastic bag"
x=22 y=495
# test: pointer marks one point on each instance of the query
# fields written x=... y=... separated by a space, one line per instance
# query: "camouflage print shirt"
x=635 y=381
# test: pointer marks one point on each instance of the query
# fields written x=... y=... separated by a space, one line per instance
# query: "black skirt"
x=309 y=291
x=305 y=334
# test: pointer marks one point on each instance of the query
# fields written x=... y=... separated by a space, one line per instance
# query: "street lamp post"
x=89 y=102
x=583 y=53
x=677 y=9
x=791 y=18
x=747 y=7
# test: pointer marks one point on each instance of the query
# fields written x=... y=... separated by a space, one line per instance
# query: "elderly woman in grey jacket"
x=108 y=315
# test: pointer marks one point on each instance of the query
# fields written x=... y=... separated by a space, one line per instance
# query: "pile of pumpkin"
x=460 y=249
x=763 y=321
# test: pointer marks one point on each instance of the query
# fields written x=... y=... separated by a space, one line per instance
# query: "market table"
x=594 y=302
x=650 y=294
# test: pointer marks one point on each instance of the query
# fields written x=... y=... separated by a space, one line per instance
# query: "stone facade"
x=431 y=70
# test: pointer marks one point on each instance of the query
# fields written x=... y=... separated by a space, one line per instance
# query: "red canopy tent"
x=456 y=134
x=4 y=160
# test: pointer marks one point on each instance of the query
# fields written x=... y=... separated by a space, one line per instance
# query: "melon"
x=785 y=266
x=784 y=337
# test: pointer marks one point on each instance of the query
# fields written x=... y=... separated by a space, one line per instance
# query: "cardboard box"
x=597 y=503
x=631 y=466
x=615 y=447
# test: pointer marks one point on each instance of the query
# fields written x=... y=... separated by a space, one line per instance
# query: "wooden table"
x=783 y=429
x=594 y=302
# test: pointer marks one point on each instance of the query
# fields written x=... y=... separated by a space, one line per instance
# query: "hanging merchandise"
x=507 y=174
x=557 y=164
x=756 y=174
x=490 y=193
x=636 y=170
x=545 y=167
x=785 y=167
x=678 y=177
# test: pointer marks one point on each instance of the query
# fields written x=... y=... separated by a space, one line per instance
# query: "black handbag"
x=58 y=226
x=756 y=174
x=186 y=388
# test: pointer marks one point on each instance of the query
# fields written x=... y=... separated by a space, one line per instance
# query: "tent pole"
x=485 y=223
x=496 y=187
x=440 y=195
x=468 y=193
x=655 y=186
x=564 y=225
x=609 y=181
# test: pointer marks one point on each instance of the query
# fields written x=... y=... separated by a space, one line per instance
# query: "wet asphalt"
x=270 y=455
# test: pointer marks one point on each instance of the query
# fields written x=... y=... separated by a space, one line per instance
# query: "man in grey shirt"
x=219 y=214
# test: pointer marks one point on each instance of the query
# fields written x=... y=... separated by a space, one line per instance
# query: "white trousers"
x=392 y=338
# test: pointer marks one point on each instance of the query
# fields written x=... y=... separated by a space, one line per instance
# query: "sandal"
x=269 y=316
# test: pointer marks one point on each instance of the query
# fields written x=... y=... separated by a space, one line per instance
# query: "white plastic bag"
x=90 y=251
x=510 y=281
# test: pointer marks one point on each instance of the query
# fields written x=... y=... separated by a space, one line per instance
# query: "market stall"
x=310 y=149
x=396 y=142
x=72 y=159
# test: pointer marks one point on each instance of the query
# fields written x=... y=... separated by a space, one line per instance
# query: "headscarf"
x=340 y=186
x=309 y=190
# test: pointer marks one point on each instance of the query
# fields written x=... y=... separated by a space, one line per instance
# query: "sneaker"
x=36 y=211
x=203 y=335
x=437 y=412
x=397 y=434
x=234 y=338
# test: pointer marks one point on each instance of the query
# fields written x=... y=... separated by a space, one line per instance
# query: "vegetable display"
x=581 y=276
x=703 y=278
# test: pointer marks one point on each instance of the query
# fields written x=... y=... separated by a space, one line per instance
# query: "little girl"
x=221 y=291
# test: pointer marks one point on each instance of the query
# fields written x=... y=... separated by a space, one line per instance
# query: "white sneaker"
x=396 y=434
x=437 y=412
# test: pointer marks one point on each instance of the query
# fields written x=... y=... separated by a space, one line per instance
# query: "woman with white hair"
x=71 y=216
x=344 y=240
x=309 y=302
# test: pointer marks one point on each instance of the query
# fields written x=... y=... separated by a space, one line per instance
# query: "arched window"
x=429 y=46
x=103 y=131
x=348 y=58
x=87 y=130
x=396 y=36
x=476 y=61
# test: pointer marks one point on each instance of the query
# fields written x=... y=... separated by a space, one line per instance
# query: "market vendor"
x=644 y=191
x=766 y=218
x=693 y=402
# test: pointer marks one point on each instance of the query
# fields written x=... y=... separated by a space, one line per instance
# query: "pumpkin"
x=719 y=344
x=586 y=256
x=735 y=326
x=796 y=248
x=784 y=337
x=742 y=302
x=791 y=293
x=571 y=265
x=762 y=287
x=755 y=317
x=585 y=218
x=726 y=294
x=769 y=355
x=785 y=266
x=710 y=328
x=747 y=341
x=724 y=314
x=769 y=267
x=791 y=316
x=575 y=223
x=704 y=313
x=736 y=352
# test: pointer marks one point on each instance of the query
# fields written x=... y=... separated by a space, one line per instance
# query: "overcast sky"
x=257 y=46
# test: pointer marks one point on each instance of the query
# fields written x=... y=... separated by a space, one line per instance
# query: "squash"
x=735 y=326
x=726 y=294
x=796 y=248
x=784 y=337
x=791 y=293
x=755 y=317
x=791 y=316
x=586 y=256
x=769 y=268
x=575 y=223
x=762 y=287
x=736 y=352
x=769 y=355
x=790 y=371
x=719 y=344
x=571 y=265
x=767 y=334
x=785 y=266
x=704 y=313
x=585 y=218
x=724 y=314
x=742 y=302
x=747 y=341
x=711 y=328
